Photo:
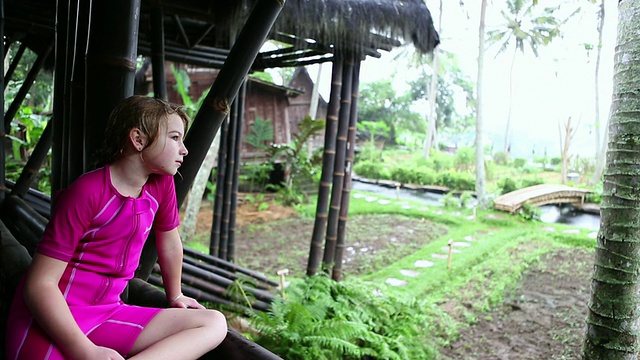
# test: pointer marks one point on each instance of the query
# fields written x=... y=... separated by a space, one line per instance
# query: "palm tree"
x=522 y=27
x=480 y=171
x=612 y=330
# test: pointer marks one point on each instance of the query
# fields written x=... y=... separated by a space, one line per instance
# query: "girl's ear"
x=137 y=139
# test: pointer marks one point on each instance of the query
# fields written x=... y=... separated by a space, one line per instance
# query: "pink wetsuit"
x=100 y=233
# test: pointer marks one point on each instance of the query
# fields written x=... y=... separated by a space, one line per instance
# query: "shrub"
x=371 y=170
x=519 y=162
x=531 y=181
x=501 y=158
x=326 y=319
x=456 y=181
x=507 y=185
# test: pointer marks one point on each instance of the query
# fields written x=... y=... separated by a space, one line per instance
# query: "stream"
x=561 y=214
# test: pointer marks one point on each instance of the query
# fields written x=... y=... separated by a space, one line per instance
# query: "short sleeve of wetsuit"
x=167 y=218
x=71 y=216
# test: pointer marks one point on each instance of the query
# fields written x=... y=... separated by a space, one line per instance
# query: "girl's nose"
x=184 y=150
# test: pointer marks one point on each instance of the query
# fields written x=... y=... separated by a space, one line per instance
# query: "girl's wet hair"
x=138 y=111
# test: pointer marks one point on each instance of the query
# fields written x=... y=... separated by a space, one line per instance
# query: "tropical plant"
x=612 y=331
x=324 y=319
x=524 y=25
x=260 y=132
x=299 y=163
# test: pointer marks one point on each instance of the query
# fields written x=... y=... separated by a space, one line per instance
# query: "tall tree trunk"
x=480 y=171
x=433 y=94
x=612 y=330
x=565 y=145
x=192 y=206
x=328 y=156
x=507 y=130
x=597 y=174
x=315 y=95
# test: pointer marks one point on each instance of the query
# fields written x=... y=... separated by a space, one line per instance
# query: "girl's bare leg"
x=180 y=334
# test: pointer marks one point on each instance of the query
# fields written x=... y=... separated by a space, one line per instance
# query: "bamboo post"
x=339 y=163
x=158 y=52
x=281 y=274
x=346 y=188
x=328 y=156
x=231 y=246
x=14 y=64
x=228 y=181
x=110 y=67
x=450 y=256
x=218 y=202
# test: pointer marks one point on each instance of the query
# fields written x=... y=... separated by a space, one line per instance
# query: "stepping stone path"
x=592 y=235
x=548 y=228
x=409 y=273
x=396 y=282
x=384 y=202
x=571 y=231
x=423 y=263
x=456 y=248
x=370 y=199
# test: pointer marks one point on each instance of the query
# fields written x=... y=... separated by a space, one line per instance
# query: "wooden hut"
x=92 y=47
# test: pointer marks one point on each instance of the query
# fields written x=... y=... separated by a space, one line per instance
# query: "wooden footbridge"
x=539 y=195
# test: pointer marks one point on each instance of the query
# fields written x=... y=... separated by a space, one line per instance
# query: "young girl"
x=68 y=305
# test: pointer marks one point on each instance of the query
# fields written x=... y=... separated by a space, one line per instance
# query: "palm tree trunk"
x=612 y=330
x=507 y=130
x=597 y=174
x=479 y=143
x=328 y=159
x=433 y=95
x=349 y=160
x=339 y=163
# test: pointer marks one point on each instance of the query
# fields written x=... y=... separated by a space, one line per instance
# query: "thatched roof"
x=195 y=30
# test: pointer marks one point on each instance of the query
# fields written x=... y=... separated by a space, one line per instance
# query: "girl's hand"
x=185 y=302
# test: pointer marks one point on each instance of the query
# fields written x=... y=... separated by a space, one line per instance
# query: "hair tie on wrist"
x=176 y=298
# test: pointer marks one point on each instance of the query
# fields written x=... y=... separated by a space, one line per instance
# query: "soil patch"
x=278 y=238
x=543 y=319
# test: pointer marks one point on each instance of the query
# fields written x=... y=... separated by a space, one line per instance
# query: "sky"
x=549 y=89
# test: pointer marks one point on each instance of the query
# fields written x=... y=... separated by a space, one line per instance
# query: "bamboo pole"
x=26 y=86
x=231 y=246
x=228 y=274
x=14 y=64
x=328 y=158
x=158 y=52
x=339 y=165
x=110 y=67
x=349 y=161
x=209 y=259
x=76 y=96
x=228 y=181
x=3 y=129
x=218 y=203
x=33 y=165
x=60 y=107
x=24 y=222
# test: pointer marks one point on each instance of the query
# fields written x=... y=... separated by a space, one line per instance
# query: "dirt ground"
x=542 y=319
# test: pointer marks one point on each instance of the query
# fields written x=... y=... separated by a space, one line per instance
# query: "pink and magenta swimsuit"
x=100 y=233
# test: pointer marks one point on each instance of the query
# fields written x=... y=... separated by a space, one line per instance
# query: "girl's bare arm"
x=169 y=247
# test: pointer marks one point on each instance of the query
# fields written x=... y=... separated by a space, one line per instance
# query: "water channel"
x=561 y=214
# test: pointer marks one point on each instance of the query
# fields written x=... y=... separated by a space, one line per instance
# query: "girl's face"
x=165 y=155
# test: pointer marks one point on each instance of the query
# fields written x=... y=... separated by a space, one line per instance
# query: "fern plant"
x=324 y=319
